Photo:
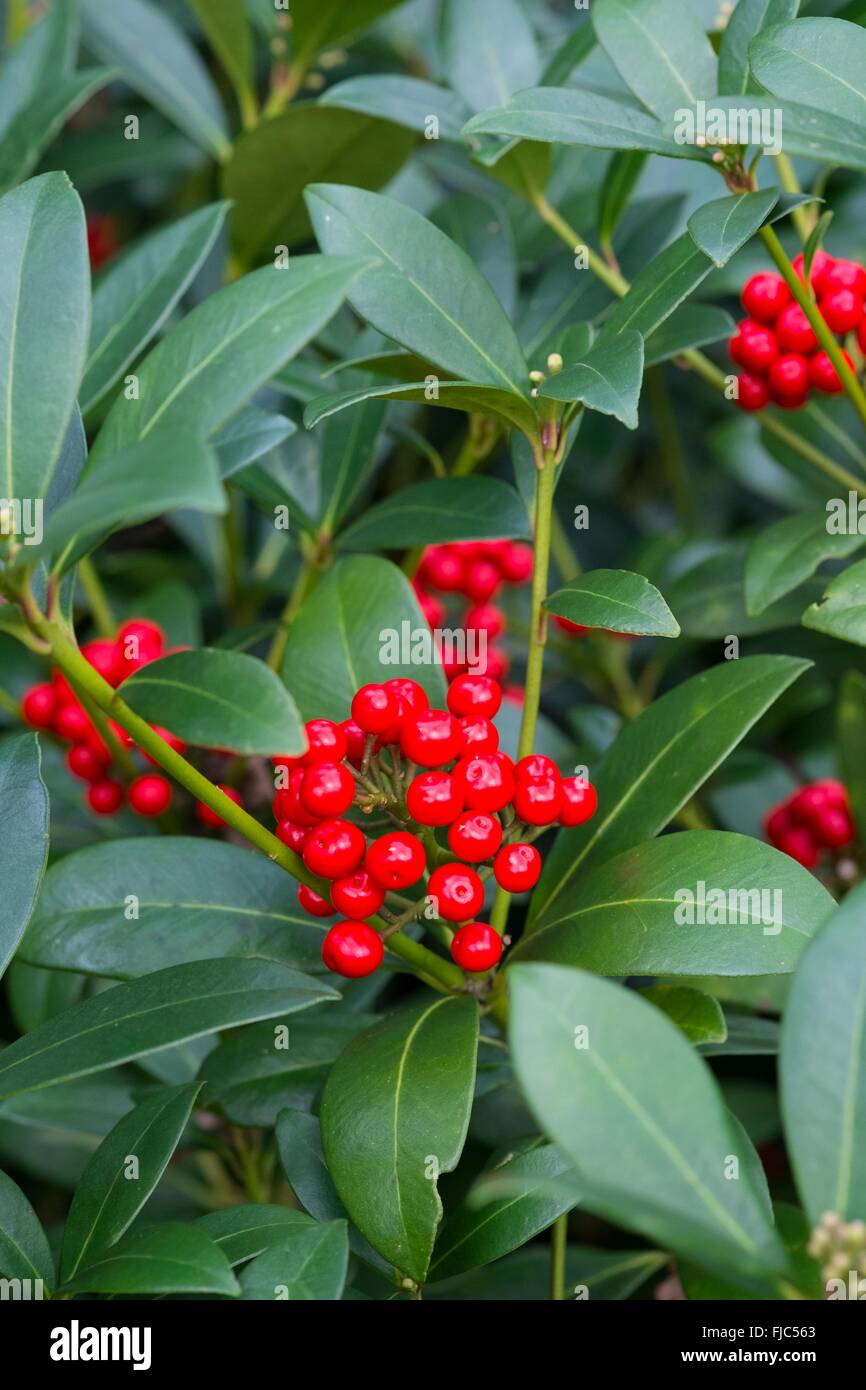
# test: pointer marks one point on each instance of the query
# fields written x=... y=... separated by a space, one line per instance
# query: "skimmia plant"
x=432 y=681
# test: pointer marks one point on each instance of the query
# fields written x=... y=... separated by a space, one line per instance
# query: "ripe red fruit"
x=471 y=694
x=497 y=664
x=516 y=868
x=39 y=706
x=476 y=947
x=538 y=800
x=410 y=696
x=442 y=568
x=396 y=860
x=479 y=735
x=487 y=780
x=475 y=836
x=139 y=642
x=789 y=377
x=485 y=617
x=375 y=709
x=431 y=737
x=844 y=275
x=355 y=741
x=102 y=238
x=764 y=296
x=794 y=333
x=481 y=580
x=752 y=394
x=434 y=798
x=327 y=743
x=432 y=609
x=579 y=801
x=777 y=824
x=358 y=895
x=834 y=829
x=105 y=797
x=149 y=795
x=84 y=762
x=821 y=264
x=861 y=335
x=577 y=629
x=72 y=722
x=458 y=890
x=295 y=836
x=842 y=309
x=535 y=765
x=313 y=902
x=288 y=804
x=211 y=818
x=105 y=657
x=800 y=845
x=515 y=563
x=754 y=347
x=327 y=789
x=823 y=374
x=334 y=848
x=352 y=949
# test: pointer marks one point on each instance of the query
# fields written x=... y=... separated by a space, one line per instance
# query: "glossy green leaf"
x=442 y=509
x=748 y=19
x=697 y=1015
x=155 y=57
x=227 y=30
x=134 y=1019
x=136 y=295
x=484 y=230
x=620 y=180
x=660 y=50
x=201 y=374
x=721 y=227
x=659 y=289
x=569 y=116
x=169 y=1259
x=244 y=1232
x=705 y=902
x=24 y=1252
x=450 y=395
x=660 y=760
x=45 y=286
x=799 y=129
x=309 y=1265
x=252 y=433
x=821 y=60
x=425 y=292
x=23 y=835
x=609 y=380
x=192 y=899
x=37 y=125
x=524 y=1276
x=823 y=1067
x=617 y=601
x=318 y=24
x=689 y=326
x=42 y=55
x=851 y=743
x=710 y=597
x=122 y=1174
x=624 y=1095
x=842 y=611
x=414 y=1073
x=489 y=50
x=407 y=101
x=351 y=632
x=790 y=551
x=349 y=452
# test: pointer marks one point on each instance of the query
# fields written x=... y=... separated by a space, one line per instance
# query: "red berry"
x=754 y=347
x=458 y=890
x=800 y=845
x=84 y=762
x=138 y=643
x=485 y=617
x=823 y=374
x=577 y=629
x=497 y=663
x=516 y=868
x=475 y=836
x=396 y=860
x=844 y=275
x=39 y=706
x=789 y=377
x=434 y=798
x=352 y=949
x=327 y=789
x=752 y=393
x=355 y=741
x=334 y=848
x=842 y=310
x=212 y=818
x=150 y=795
x=821 y=264
x=327 y=743
x=102 y=238
x=487 y=780
x=105 y=657
x=358 y=895
x=479 y=735
x=288 y=804
x=535 y=765
x=861 y=335
x=794 y=332
x=481 y=580
x=834 y=829
x=295 y=836
x=579 y=801
x=105 y=797
x=476 y=947
x=442 y=568
x=538 y=800
x=72 y=722
x=515 y=563
x=410 y=696
x=449 y=660
x=474 y=695
x=764 y=296
x=431 y=738
x=777 y=824
x=375 y=709
x=433 y=610
x=313 y=902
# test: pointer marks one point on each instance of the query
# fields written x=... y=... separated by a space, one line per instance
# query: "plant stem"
x=597 y=264
x=300 y=589
x=100 y=608
x=558 y=1248
x=802 y=217
x=671 y=449
x=9 y=704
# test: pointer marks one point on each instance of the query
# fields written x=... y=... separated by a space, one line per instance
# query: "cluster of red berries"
x=777 y=346
x=489 y=806
x=814 y=819
x=476 y=570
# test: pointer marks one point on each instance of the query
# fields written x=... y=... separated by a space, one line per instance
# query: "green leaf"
x=524 y=1276
x=627 y=1099
x=609 y=380
x=842 y=611
x=851 y=743
x=710 y=597
x=767 y=121
x=620 y=180
x=823 y=1067
x=318 y=24
x=721 y=227
x=156 y=59
x=24 y=1252
x=658 y=290
x=201 y=374
x=489 y=50
x=167 y=1007
x=697 y=1015
x=568 y=116
x=690 y=326
x=661 y=759
x=407 y=101
x=309 y=1265
x=309 y=143
x=113 y=1189
x=748 y=19
x=169 y=1259
x=790 y=551
x=439 y=510
x=704 y=902
x=425 y=292
x=218 y=699
x=44 y=53
x=511 y=1202
x=45 y=286
x=659 y=49
x=244 y=1232
x=823 y=59
x=23 y=835
x=413 y=1076
x=194 y=899
x=482 y=227
x=346 y=634
x=349 y=452
x=227 y=30
x=248 y=436
x=36 y=126
x=617 y=601
x=137 y=293
x=450 y=395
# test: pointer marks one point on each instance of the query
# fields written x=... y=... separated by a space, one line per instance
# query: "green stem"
x=303 y=584
x=9 y=704
x=671 y=449
x=558 y=1249
x=802 y=217
x=100 y=608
